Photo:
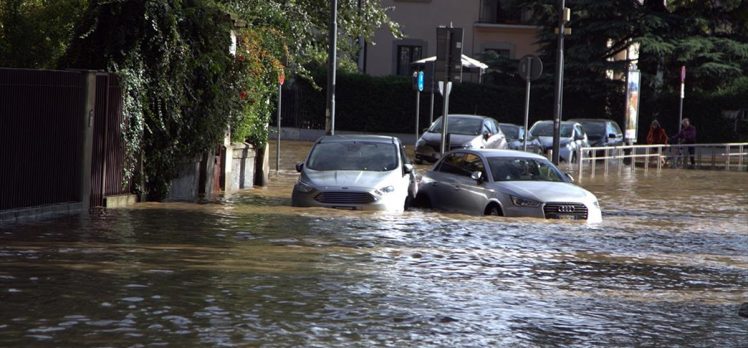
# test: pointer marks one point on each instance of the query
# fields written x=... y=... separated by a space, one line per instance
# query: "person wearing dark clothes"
x=687 y=135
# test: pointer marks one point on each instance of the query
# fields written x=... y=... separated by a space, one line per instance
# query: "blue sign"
x=420 y=81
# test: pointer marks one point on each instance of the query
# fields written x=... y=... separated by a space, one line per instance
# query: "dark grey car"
x=465 y=132
x=515 y=138
x=601 y=131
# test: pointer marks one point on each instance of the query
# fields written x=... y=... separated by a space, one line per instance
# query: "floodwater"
x=667 y=267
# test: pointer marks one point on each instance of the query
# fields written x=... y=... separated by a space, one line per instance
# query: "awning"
x=467 y=62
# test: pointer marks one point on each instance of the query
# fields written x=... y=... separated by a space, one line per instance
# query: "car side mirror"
x=407 y=168
x=486 y=135
x=568 y=175
x=612 y=136
x=477 y=176
x=299 y=166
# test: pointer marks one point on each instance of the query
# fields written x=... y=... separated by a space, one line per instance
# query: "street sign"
x=530 y=67
x=420 y=81
x=448 y=54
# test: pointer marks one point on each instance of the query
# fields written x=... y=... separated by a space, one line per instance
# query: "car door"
x=469 y=195
x=441 y=180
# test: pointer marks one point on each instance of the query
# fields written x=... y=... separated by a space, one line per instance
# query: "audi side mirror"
x=299 y=166
x=407 y=168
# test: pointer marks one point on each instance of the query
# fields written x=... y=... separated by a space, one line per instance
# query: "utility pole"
x=331 y=67
x=563 y=17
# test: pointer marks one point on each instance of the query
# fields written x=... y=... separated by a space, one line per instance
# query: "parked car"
x=465 y=132
x=515 y=137
x=505 y=183
x=359 y=172
x=571 y=138
x=601 y=132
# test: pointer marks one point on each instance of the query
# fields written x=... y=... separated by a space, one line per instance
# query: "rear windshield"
x=353 y=156
x=458 y=125
x=510 y=132
x=545 y=129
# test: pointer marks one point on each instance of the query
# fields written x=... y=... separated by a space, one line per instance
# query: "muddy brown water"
x=667 y=267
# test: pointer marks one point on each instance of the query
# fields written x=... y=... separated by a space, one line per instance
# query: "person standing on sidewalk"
x=687 y=135
x=656 y=136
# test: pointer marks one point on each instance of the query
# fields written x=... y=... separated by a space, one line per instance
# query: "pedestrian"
x=687 y=135
x=657 y=135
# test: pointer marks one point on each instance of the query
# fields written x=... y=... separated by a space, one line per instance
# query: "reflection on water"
x=667 y=267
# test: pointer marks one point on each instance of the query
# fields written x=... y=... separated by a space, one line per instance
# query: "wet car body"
x=515 y=137
x=505 y=183
x=358 y=172
x=572 y=138
x=465 y=132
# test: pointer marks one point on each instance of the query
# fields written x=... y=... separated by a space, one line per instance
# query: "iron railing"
x=721 y=156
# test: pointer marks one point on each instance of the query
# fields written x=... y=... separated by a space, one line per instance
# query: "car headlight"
x=524 y=202
x=304 y=187
x=596 y=204
x=386 y=189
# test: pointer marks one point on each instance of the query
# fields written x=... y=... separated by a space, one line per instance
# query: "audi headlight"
x=524 y=202
x=304 y=187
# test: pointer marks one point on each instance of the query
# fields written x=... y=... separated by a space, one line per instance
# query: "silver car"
x=505 y=183
x=572 y=138
x=465 y=132
x=360 y=172
x=515 y=137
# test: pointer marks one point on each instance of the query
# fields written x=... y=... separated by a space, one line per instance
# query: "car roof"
x=562 y=122
x=345 y=138
x=470 y=116
x=501 y=153
x=580 y=120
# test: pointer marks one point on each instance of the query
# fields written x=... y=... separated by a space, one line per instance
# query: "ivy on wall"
x=183 y=89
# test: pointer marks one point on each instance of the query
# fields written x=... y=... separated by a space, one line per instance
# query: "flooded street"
x=667 y=267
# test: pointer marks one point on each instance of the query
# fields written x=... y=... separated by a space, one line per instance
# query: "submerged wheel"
x=494 y=209
x=422 y=201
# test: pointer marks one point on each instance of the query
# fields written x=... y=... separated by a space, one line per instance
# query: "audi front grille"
x=576 y=211
x=344 y=198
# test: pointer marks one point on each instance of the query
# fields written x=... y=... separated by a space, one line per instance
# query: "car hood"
x=454 y=140
x=545 y=191
x=350 y=178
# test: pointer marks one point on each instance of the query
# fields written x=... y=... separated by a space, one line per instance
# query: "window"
x=462 y=164
x=407 y=54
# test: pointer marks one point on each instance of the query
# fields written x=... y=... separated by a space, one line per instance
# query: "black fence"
x=43 y=125
x=40 y=119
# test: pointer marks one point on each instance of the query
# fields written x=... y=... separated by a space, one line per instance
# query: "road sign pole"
x=447 y=89
x=527 y=109
x=278 y=143
x=418 y=110
x=682 y=95
x=559 y=91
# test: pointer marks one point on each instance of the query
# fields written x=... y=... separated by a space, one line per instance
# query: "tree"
x=35 y=33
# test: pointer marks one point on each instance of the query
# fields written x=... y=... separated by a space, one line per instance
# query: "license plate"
x=567 y=217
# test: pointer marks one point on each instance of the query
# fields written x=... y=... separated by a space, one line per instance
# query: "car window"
x=356 y=155
x=463 y=164
x=526 y=169
x=492 y=126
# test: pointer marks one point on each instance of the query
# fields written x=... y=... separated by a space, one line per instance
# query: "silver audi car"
x=505 y=183
x=358 y=172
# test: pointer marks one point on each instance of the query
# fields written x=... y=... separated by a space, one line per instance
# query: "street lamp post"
x=332 y=66
x=559 y=91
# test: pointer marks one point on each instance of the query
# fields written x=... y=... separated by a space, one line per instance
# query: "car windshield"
x=524 y=169
x=511 y=132
x=545 y=129
x=354 y=155
x=458 y=125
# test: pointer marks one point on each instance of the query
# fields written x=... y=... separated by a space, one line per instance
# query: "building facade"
x=488 y=25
